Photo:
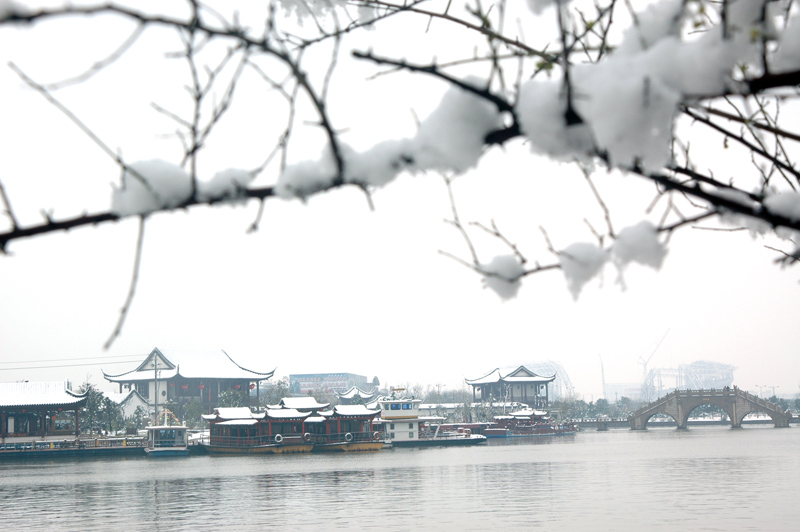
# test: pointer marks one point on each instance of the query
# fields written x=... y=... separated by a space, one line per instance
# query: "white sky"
x=330 y=286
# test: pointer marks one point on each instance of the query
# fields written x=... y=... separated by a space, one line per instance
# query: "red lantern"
x=184 y=386
x=236 y=387
x=252 y=386
x=202 y=386
x=172 y=384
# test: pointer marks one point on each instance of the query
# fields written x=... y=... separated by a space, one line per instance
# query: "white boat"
x=167 y=440
x=404 y=427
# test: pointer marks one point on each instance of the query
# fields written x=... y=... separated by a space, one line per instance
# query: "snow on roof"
x=303 y=403
x=355 y=390
x=239 y=422
x=354 y=410
x=521 y=374
x=286 y=413
x=189 y=365
x=120 y=398
x=492 y=376
x=39 y=394
x=232 y=412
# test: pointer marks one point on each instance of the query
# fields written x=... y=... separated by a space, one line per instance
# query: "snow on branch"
x=597 y=95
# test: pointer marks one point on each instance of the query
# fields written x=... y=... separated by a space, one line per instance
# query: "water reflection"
x=701 y=479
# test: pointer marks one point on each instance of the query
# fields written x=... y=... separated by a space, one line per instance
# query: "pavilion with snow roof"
x=183 y=376
x=521 y=385
x=356 y=395
x=39 y=409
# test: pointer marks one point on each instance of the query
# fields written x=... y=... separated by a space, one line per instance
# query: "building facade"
x=520 y=385
x=326 y=383
x=183 y=376
x=39 y=409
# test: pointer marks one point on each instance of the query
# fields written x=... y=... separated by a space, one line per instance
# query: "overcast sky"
x=330 y=286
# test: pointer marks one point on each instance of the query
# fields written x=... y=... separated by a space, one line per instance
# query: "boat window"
x=406 y=406
x=411 y=425
x=395 y=406
x=410 y=434
x=392 y=435
x=391 y=426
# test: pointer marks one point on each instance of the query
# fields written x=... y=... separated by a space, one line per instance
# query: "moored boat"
x=345 y=428
x=527 y=422
x=167 y=440
x=404 y=427
x=240 y=431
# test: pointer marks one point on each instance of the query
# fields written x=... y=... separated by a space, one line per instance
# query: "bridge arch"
x=733 y=401
x=647 y=419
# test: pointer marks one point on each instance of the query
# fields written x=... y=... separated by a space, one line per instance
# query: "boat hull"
x=349 y=447
x=441 y=442
x=512 y=434
x=165 y=452
x=260 y=449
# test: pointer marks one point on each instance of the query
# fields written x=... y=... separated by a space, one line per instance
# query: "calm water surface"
x=703 y=479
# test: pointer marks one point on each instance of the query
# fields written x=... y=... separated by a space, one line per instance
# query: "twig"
x=132 y=290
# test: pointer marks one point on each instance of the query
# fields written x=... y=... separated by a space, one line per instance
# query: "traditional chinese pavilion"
x=183 y=376
x=39 y=408
x=521 y=385
x=356 y=395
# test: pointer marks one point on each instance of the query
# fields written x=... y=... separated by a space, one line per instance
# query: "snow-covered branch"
x=592 y=83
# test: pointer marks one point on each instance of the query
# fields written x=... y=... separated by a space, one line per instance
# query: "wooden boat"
x=167 y=440
x=240 y=431
x=345 y=428
x=404 y=427
x=527 y=423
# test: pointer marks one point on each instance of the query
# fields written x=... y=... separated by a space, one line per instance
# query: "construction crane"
x=644 y=362
x=603 y=377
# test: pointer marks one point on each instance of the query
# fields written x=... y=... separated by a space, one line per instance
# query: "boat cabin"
x=167 y=440
x=400 y=418
x=239 y=428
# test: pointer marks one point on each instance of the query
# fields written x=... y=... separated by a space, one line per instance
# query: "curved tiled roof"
x=39 y=394
x=521 y=374
x=189 y=365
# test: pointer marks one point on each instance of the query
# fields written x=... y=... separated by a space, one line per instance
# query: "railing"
x=48 y=445
x=254 y=441
x=724 y=392
x=346 y=437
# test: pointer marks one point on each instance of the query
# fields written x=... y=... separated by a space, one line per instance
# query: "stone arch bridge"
x=735 y=402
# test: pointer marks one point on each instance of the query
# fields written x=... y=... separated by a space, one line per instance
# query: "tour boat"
x=527 y=423
x=345 y=428
x=167 y=440
x=240 y=431
x=404 y=427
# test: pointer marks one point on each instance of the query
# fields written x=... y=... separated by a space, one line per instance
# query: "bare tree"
x=596 y=84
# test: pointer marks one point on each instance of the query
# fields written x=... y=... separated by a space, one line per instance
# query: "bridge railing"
x=724 y=392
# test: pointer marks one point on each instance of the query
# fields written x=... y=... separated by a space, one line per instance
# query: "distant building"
x=325 y=383
x=699 y=375
x=613 y=392
x=561 y=388
x=129 y=401
x=39 y=408
x=521 y=385
x=184 y=376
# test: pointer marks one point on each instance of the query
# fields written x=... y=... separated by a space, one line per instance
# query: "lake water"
x=703 y=479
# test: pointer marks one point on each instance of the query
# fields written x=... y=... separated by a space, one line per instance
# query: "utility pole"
x=155 y=389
